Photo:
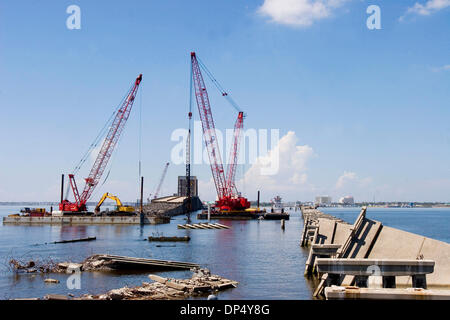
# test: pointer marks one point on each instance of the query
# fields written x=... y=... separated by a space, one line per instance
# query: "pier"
x=158 y=211
x=355 y=256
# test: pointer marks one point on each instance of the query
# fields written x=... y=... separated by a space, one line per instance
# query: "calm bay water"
x=267 y=261
x=429 y=222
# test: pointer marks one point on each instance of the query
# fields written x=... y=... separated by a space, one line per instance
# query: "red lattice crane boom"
x=209 y=129
x=228 y=197
x=103 y=156
x=232 y=162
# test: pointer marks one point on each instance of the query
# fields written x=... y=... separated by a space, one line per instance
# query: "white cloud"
x=291 y=176
x=345 y=178
x=289 y=180
x=349 y=181
x=426 y=9
x=300 y=13
x=443 y=68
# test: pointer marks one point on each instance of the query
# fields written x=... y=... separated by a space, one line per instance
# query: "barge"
x=84 y=220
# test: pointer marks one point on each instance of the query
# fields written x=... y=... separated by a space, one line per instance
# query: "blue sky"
x=370 y=107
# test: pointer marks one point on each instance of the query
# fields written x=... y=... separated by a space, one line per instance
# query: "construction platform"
x=84 y=220
x=157 y=212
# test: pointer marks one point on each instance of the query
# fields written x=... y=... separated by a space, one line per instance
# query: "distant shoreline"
x=391 y=205
x=31 y=203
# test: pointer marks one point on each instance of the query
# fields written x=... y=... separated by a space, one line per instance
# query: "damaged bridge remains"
x=201 y=283
x=171 y=206
x=100 y=262
x=368 y=260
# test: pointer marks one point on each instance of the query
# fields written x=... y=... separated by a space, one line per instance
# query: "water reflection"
x=73 y=232
x=255 y=253
x=267 y=261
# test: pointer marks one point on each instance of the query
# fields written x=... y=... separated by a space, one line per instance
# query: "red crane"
x=228 y=197
x=103 y=156
x=232 y=162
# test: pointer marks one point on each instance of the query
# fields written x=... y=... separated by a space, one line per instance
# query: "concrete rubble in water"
x=34 y=266
x=99 y=262
x=202 y=283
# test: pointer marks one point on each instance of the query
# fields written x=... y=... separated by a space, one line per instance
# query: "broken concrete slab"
x=56 y=297
x=202 y=282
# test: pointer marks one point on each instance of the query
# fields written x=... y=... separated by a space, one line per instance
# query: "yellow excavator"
x=119 y=206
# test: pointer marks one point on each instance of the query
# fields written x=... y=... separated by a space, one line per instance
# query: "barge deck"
x=83 y=220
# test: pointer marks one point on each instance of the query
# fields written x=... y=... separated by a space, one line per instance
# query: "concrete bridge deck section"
x=369 y=239
x=393 y=243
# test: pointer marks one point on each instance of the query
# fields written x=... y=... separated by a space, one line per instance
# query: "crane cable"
x=99 y=138
x=113 y=155
x=92 y=147
x=218 y=85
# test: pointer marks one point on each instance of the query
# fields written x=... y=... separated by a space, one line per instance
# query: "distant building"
x=347 y=200
x=323 y=200
x=182 y=186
